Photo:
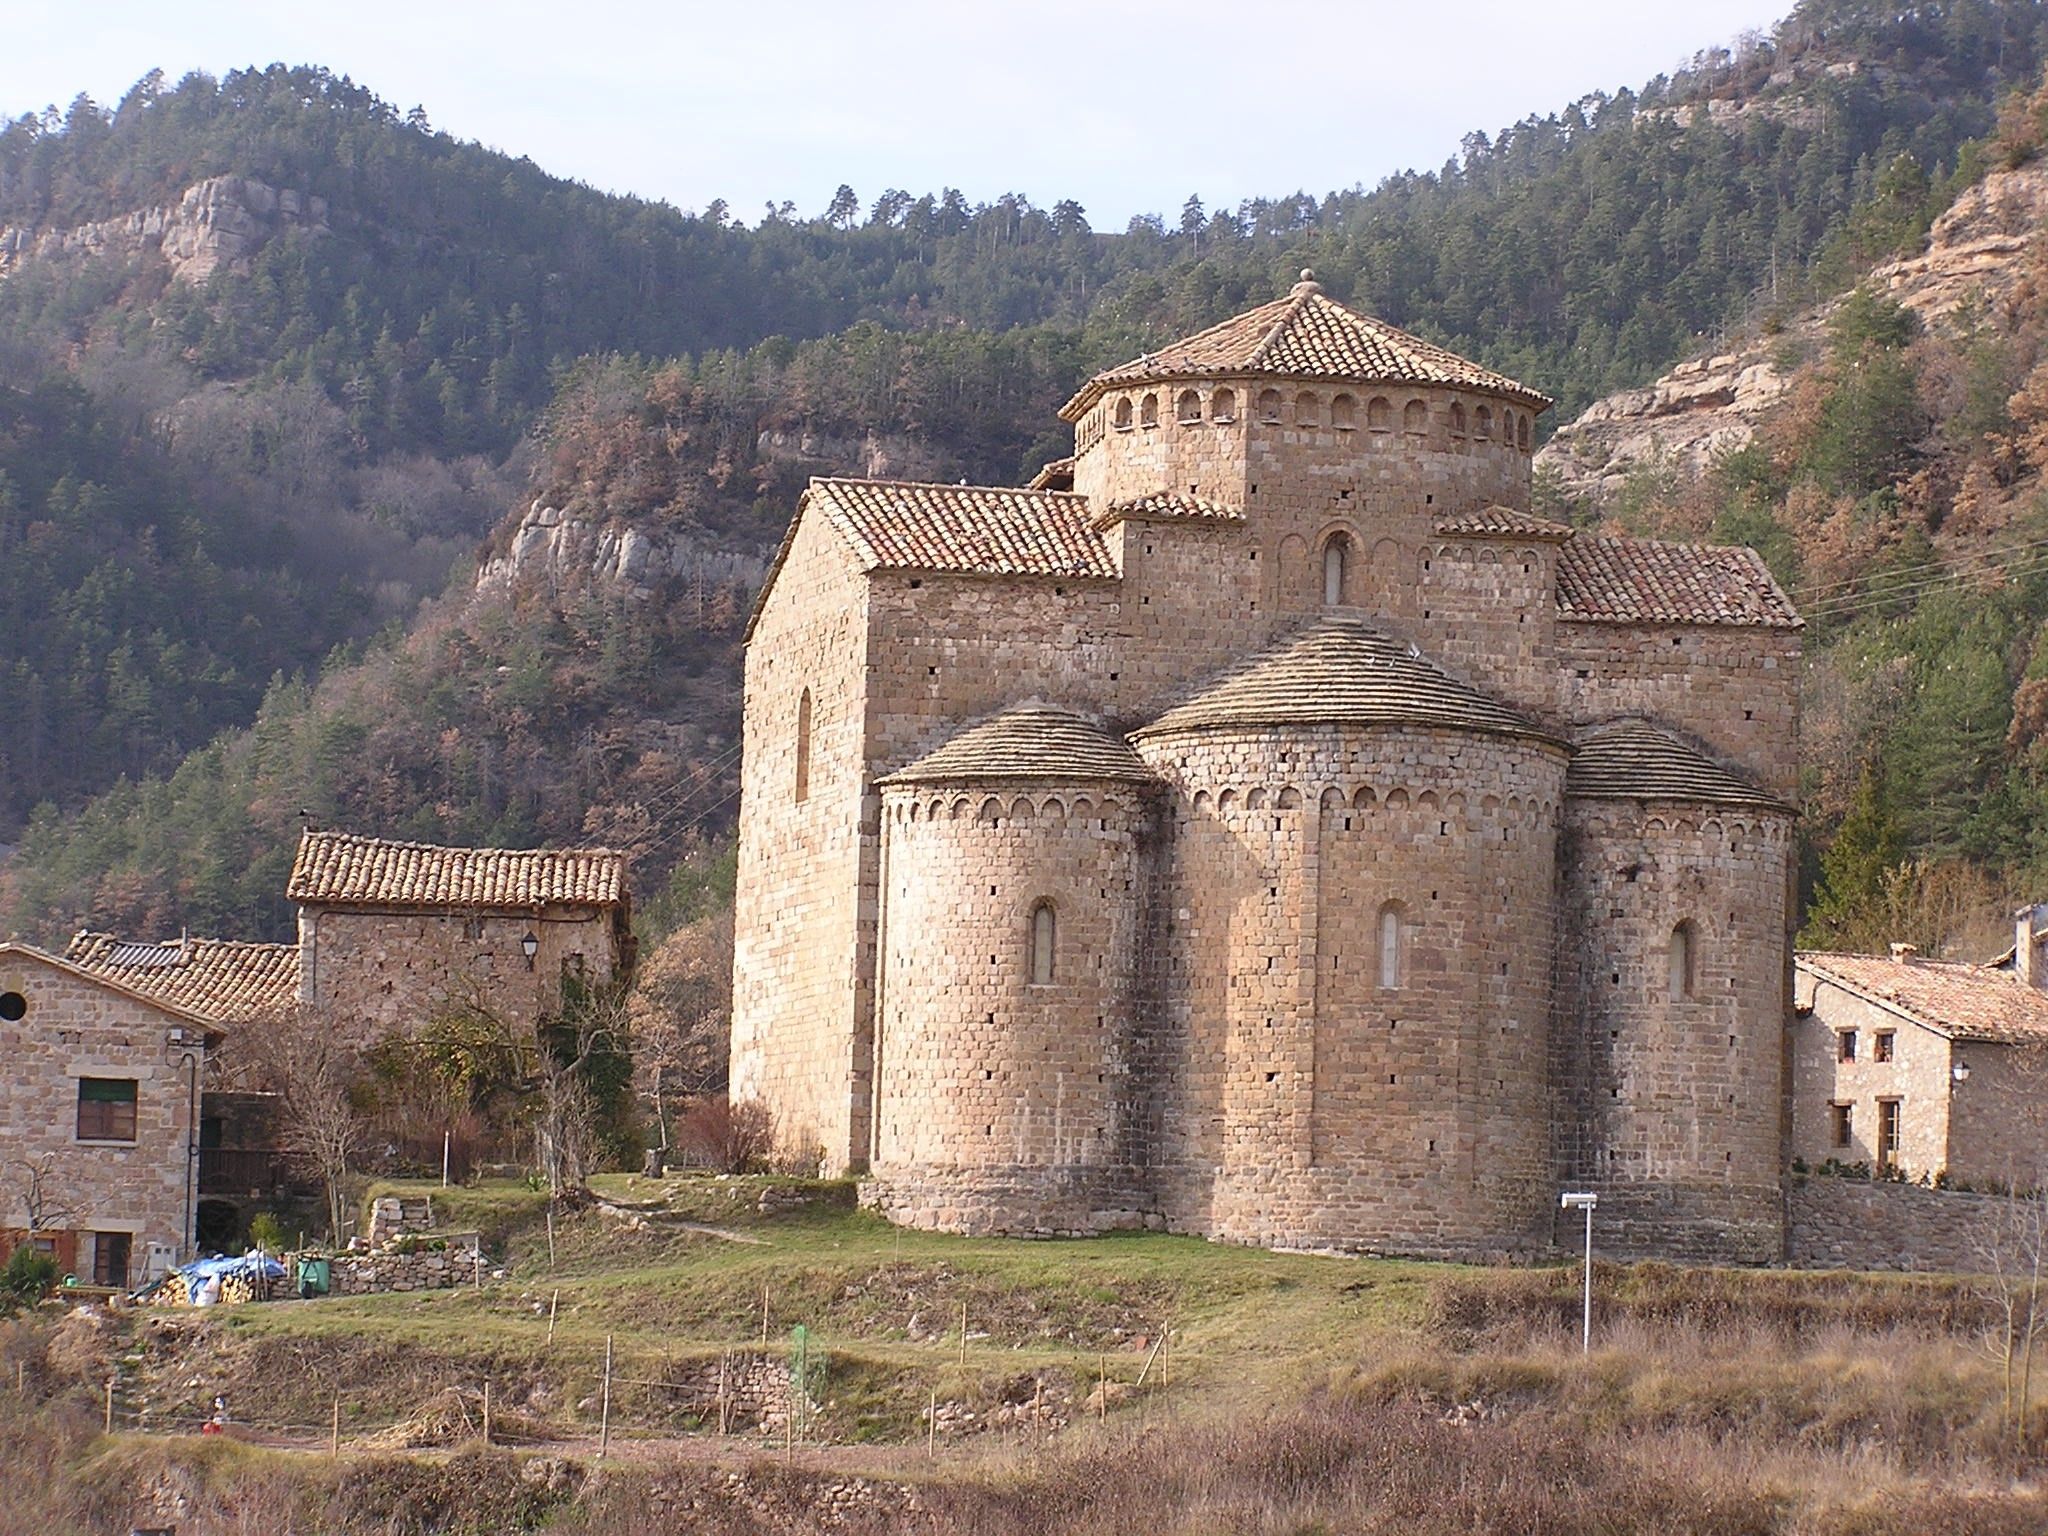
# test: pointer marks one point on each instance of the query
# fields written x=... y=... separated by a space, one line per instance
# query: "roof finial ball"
x=1308 y=283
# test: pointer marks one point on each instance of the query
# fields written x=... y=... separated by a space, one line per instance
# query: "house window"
x=1390 y=946
x=1845 y=1045
x=1044 y=943
x=1334 y=554
x=1887 y=1131
x=1679 y=963
x=803 y=746
x=1842 y=1116
x=106 y=1109
x=110 y=1254
x=1882 y=1046
x=13 y=1007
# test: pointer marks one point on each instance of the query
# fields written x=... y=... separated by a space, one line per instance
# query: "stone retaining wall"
x=425 y=1269
x=1835 y=1223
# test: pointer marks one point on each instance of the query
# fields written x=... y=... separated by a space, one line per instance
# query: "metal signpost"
x=1585 y=1201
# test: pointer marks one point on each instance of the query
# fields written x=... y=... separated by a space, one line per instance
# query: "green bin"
x=316 y=1277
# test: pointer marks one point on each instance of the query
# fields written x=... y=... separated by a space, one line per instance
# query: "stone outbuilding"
x=389 y=932
x=1932 y=1069
x=99 y=1099
x=1265 y=825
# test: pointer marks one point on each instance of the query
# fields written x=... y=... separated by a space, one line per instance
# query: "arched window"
x=1188 y=408
x=1148 y=411
x=1223 y=405
x=1680 y=962
x=1044 y=943
x=1305 y=412
x=1269 y=405
x=1522 y=433
x=1457 y=419
x=1415 y=417
x=1343 y=412
x=1379 y=415
x=1482 y=422
x=1123 y=414
x=803 y=746
x=1334 y=555
x=1390 y=945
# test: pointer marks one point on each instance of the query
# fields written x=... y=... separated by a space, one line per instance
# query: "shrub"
x=267 y=1232
x=29 y=1274
x=732 y=1138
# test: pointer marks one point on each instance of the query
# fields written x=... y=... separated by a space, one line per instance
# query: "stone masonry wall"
x=1853 y=1224
x=1674 y=1102
x=803 y=963
x=992 y=1082
x=1305 y=1101
x=1917 y=1076
x=379 y=973
x=75 y=1028
x=416 y=1266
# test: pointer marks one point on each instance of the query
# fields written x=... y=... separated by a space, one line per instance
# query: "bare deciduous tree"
x=681 y=1015
x=48 y=1199
x=303 y=1059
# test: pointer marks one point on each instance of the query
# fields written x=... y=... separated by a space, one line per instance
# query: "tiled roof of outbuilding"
x=1647 y=581
x=221 y=979
x=1306 y=335
x=1057 y=475
x=1635 y=760
x=1342 y=673
x=1491 y=522
x=337 y=868
x=901 y=525
x=1964 y=1002
x=1036 y=741
x=1166 y=506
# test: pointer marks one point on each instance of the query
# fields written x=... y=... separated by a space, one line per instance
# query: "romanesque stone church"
x=1263 y=825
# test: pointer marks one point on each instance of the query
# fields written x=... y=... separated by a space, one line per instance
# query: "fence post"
x=723 y=1357
x=110 y=1405
x=334 y=1430
x=554 y=1300
x=487 y=1410
x=604 y=1423
x=963 y=1335
x=931 y=1434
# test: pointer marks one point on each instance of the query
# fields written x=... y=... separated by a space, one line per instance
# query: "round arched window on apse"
x=13 y=1006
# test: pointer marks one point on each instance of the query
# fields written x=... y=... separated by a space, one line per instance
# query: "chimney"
x=2026 y=948
x=1903 y=954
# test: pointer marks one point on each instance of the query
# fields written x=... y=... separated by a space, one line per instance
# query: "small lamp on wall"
x=1960 y=1072
x=529 y=946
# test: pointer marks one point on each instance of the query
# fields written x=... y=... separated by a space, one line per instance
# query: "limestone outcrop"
x=222 y=221
x=557 y=550
x=1976 y=253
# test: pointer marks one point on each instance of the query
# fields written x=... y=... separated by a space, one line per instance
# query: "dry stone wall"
x=1833 y=1223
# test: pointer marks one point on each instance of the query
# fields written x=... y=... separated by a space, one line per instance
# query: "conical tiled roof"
x=1032 y=741
x=1306 y=335
x=1634 y=760
x=1342 y=673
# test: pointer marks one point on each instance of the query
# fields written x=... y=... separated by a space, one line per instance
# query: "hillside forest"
x=280 y=525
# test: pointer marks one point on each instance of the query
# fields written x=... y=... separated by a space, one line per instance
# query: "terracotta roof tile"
x=1964 y=1002
x=1488 y=522
x=1306 y=335
x=1646 y=581
x=1036 y=741
x=1166 y=506
x=1342 y=673
x=336 y=868
x=1057 y=475
x=1635 y=760
x=897 y=525
x=220 y=979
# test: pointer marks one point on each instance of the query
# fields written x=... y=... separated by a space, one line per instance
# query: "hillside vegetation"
x=1293 y=1392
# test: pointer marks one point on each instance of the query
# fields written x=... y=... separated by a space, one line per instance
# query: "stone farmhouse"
x=1265 y=826
x=1932 y=1069
x=389 y=931
x=99 y=1100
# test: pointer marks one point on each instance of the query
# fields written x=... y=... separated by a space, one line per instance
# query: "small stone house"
x=390 y=932
x=99 y=1096
x=1932 y=1068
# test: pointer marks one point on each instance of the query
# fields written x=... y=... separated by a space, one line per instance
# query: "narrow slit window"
x=1680 y=961
x=1334 y=554
x=1044 y=943
x=1390 y=946
x=803 y=746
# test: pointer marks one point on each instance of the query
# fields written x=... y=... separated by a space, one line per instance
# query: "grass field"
x=1299 y=1393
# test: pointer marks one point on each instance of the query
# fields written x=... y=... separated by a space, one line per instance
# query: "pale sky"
x=1127 y=107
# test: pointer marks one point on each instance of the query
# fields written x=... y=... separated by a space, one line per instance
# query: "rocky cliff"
x=1974 y=257
x=220 y=222
x=560 y=551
